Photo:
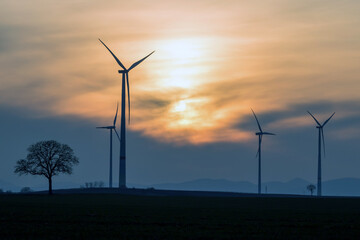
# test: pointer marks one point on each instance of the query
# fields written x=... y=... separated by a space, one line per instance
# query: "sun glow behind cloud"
x=186 y=113
x=183 y=67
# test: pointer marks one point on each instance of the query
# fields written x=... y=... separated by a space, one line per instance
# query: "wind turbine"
x=321 y=139
x=260 y=134
x=111 y=128
x=125 y=78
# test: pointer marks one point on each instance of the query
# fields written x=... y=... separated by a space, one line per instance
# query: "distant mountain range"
x=337 y=187
x=296 y=186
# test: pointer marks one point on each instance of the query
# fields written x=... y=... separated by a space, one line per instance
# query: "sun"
x=183 y=51
x=179 y=106
x=182 y=70
x=183 y=60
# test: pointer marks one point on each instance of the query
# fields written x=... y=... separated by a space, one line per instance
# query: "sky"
x=191 y=100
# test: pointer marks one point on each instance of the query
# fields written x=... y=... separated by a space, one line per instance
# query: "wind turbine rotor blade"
x=314 y=118
x=128 y=90
x=268 y=133
x=257 y=153
x=103 y=127
x=117 y=60
x=260 y=140
x=117 y=108
x=138 y=62
x=328 y=119
x=117 y=134
x=256 y=120
x=323 y=139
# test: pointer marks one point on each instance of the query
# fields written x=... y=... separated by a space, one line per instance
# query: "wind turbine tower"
x=111 y=128
x=320 y=139
x=260 y=134
x=125 y=81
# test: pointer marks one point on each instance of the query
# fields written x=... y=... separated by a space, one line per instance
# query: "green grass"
x=111 y=216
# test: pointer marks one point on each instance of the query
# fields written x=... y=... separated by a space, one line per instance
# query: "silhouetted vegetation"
x=311 y=188
x=96 y=184
x=48 y=159
x=26 y=190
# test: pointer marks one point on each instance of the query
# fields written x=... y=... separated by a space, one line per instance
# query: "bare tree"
x=311 y=188
x=47 y=158
x=96 y=184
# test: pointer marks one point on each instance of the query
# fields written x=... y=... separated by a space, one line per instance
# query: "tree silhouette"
x=47 y=158
x=311 y=188
x=26 y=190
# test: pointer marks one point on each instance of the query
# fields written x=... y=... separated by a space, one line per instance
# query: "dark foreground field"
x=113 y=216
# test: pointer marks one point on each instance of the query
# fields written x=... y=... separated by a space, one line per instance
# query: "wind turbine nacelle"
x=258 y=133
x=122 y=71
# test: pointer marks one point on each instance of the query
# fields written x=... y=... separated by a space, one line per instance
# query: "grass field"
x=113 y=216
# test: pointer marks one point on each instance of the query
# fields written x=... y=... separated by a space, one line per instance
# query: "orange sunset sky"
x=213 y=61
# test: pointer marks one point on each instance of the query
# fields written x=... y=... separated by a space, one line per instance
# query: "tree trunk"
x=50 y=186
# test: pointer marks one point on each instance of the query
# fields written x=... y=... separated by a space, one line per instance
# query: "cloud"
x=208 y=69
x=295 y=118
